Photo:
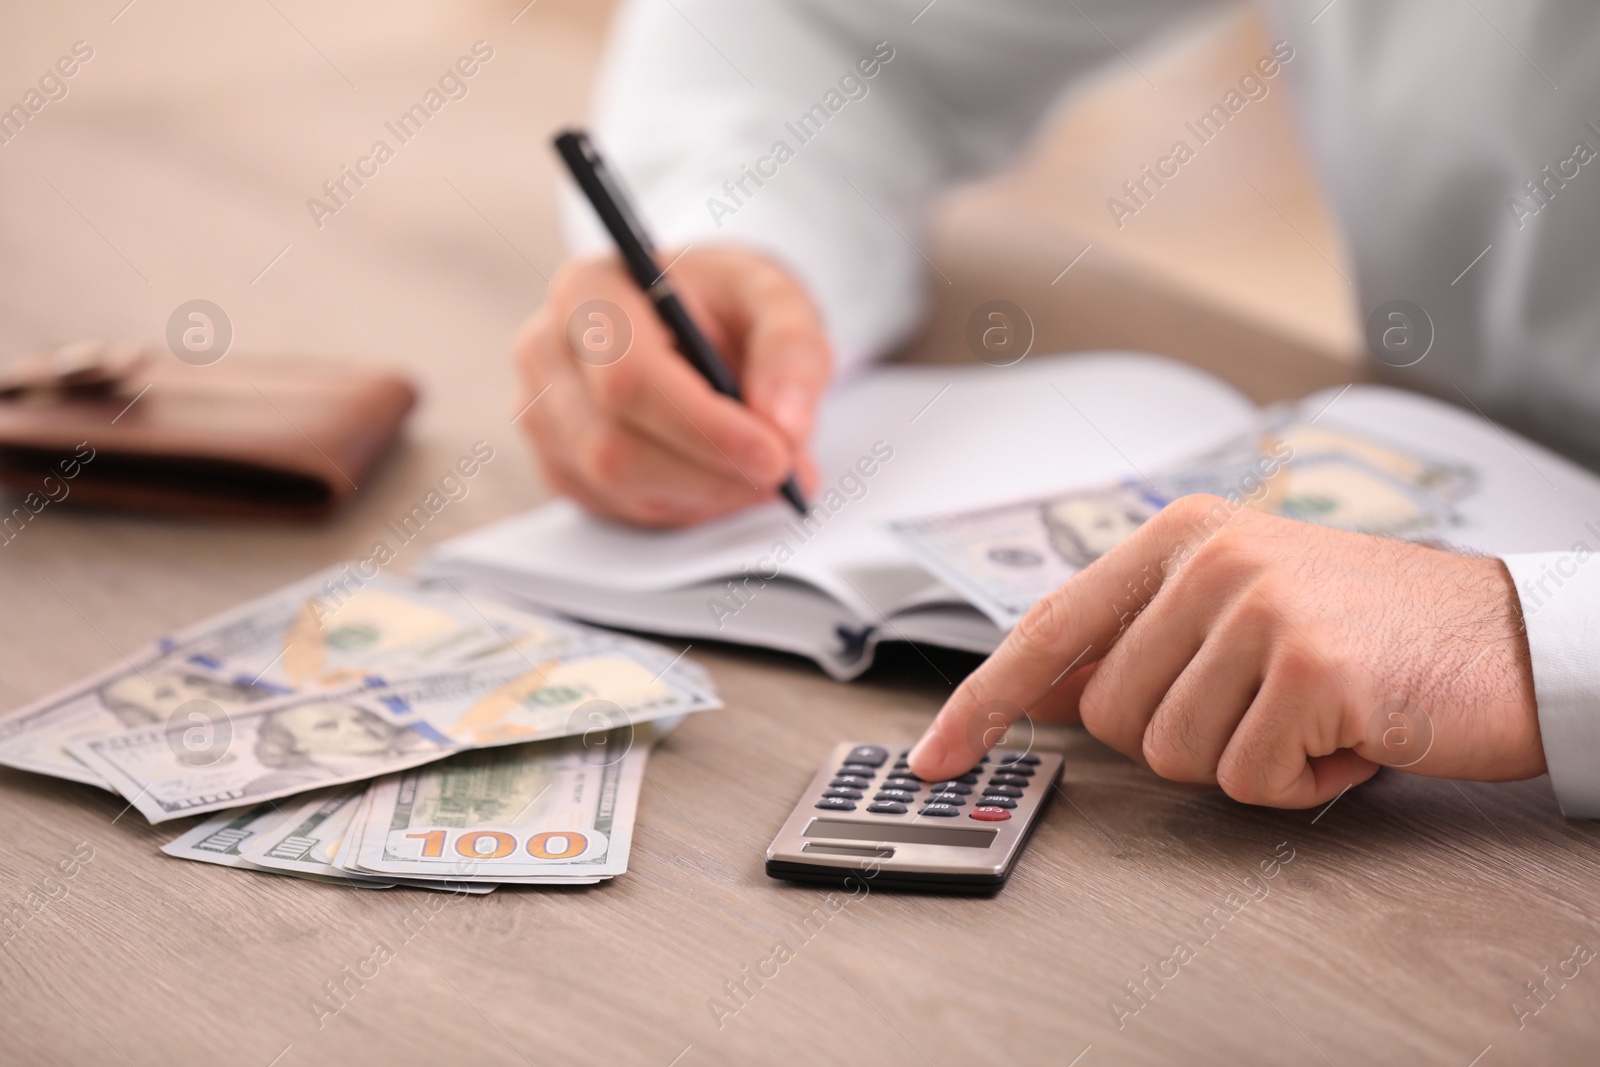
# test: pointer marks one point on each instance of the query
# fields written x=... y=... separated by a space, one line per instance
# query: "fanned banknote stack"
x=1003 y=559
x=377 y=732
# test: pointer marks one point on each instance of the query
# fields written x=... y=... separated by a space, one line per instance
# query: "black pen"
x=589 y=170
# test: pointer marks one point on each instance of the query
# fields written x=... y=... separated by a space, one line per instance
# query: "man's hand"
x=1279 y=660
x=630 y=430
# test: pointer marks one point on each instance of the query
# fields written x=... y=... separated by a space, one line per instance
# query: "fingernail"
x=930 y=752
x=790 y=408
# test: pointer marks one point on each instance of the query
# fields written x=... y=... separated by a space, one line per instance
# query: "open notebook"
x=902 y=442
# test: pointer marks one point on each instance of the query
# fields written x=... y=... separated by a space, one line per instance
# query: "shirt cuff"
x=1560 y=595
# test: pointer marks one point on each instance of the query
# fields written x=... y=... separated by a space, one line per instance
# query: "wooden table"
x=1402 y=930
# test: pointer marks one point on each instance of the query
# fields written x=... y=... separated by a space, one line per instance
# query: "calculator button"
x=951 y=787
x=1027 y=758
x=1009 y=779
x=843 y=794
x=947 y=798
x=901 y=782
x=966 y=779
x=850 y=781
x=1001 y=791
x=871 y=755
x=1017 y=768
x=836 y=804
x=905 y=796
x=990 y=801
x=990 y=814
x=858 y=768
x=941 y=811
x=886 y=807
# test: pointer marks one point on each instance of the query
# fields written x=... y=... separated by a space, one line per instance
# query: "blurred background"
x=179 y=165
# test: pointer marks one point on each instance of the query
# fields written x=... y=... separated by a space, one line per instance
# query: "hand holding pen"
x=623 y=421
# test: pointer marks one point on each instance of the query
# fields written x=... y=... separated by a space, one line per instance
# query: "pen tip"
x=791 y=493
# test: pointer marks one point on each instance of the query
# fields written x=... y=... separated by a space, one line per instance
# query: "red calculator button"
x=990 y=814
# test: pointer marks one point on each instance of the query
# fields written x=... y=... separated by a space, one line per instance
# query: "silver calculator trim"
x=789 y=855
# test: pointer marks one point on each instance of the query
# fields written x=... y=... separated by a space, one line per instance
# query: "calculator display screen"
x=908 y=833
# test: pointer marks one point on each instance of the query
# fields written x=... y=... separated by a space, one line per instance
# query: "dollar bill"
x=328 y=630
x=293 y=744
x=333 y=629
x=553 y=812
x=1003 y=559
x=309 y=836
x=223 y=838
x=343 y=855
x=1436 y=479
x=141 y=691
x=1327 y=475
x=305 y=839
x=344 y=851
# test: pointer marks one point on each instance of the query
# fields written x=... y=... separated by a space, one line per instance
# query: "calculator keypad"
x=1005 y=778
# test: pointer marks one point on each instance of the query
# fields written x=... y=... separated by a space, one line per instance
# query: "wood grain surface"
x=1400 y=925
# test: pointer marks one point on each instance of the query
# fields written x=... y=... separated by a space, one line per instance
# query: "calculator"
x=866 y=818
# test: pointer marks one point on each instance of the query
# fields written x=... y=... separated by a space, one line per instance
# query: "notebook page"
x=945 y=438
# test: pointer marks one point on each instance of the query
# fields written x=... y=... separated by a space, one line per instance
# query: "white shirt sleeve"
x=818 y=131
x=1560 y=594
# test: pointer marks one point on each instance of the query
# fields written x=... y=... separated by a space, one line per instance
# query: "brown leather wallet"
x=121 y=426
